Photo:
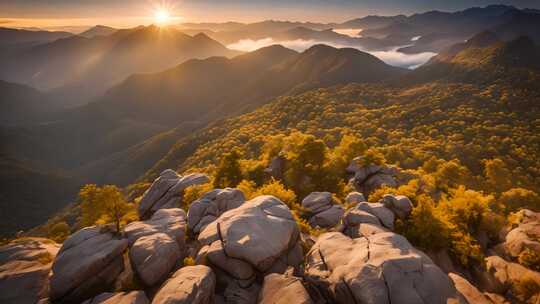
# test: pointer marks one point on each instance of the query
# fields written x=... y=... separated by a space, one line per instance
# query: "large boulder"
x=188 y=285
x=368 y=178
x=257 y=232
x=88 y=263
x=154 y=256
x=399 y=204
x=324 y=210
x=169 y=221
x=24 y=270
x=283 y=289
x=317 y=202
x=211 y=205
x=167 y=190
x=327 y=218
x=157 y=244
x=132 y=297
x=383 y=214
x=380 y=268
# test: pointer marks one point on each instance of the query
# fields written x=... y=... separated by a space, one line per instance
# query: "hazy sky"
x=53 y=13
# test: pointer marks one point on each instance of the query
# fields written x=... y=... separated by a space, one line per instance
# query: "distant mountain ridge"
x=485 y=58
x=91 y=65
x=98 y=30
x=189 y=90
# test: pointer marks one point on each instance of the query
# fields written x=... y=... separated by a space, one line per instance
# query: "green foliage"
x=228 y=172
x=498 y=176
x=193 y=193
x=189 y=261
x=102 y=205
x=59 y=232
x=451 y=174
x=530 y=259
x=425 y=227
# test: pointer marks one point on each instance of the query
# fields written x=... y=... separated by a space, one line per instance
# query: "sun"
x=162 y=16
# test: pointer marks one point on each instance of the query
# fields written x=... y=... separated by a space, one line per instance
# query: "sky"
x=126 y=13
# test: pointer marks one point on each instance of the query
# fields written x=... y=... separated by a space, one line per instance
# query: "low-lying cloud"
x=391 y=57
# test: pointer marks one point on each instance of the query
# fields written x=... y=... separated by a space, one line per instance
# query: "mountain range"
x=78 y=68
x=118 y=105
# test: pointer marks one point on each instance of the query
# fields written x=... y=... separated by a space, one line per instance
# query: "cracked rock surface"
x=24 y=270
x=188 y=285
x=258 y=232
x=88 y=263
x=380 y=268
x=211 y=205
x=166 y=191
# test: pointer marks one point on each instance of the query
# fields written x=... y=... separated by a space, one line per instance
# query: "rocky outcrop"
x=157 y=245
x=283 y=289
x=166 y=191
x=368 y=178
x=524 y=236
x=471 y=293
x=88 y=263
x=366 y=219
x=324 y=210
x=132 y=297
x=399 y=204
x=188 y=285
x=501 y=275
x=258 y=237
x=380 y=268
x=211 y=205
x=24 y=270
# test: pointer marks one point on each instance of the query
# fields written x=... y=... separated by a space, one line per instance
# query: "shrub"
x=530 y=259
x=189 y=261
x=193 y=193
x=519 y=198
x=59 y=232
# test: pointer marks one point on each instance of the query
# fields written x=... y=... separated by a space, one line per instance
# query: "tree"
x=497 y=174
x=101 y=205
x=229 y=171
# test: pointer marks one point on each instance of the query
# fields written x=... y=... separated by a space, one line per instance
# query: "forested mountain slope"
x=202 y=90
x=409 y=125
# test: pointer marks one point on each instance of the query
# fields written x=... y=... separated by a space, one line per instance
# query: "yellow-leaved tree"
x=102 y=205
